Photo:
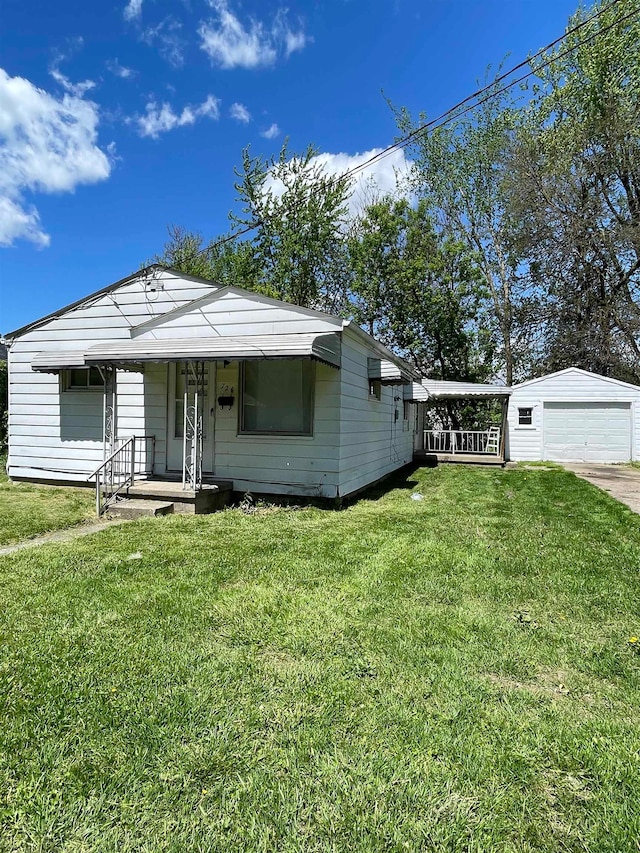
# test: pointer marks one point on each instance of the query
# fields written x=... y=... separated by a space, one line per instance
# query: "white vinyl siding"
x=373 y=442
x=281 y=464
x=236 y=314
x=574 y=408
x=59 y=436
x=354 y=440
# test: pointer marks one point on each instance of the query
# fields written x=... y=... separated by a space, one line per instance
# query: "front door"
x=175 y=417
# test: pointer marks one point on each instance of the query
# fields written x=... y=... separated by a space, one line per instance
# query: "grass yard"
x=27 y=510
x=451 y=674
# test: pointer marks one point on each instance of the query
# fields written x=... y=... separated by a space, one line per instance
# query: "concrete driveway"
x=621 y=482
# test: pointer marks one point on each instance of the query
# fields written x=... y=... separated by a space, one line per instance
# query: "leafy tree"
x=298 y=250
x=418 y=290
x=575 y=194
x=300 y=216
x=459 y=171
x=228 y=262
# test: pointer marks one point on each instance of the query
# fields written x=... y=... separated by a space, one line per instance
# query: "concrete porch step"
x=211 y=497
x=133 y=508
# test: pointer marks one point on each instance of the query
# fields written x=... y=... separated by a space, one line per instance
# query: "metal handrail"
x=118 y=470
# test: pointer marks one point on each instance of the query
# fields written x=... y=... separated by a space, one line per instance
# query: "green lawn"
x=451 y=674
x=27 y=510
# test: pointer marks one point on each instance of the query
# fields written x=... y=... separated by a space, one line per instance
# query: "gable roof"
x=208 y=298
x=339 y=322
x=217 y=293
x=103 y=292
x=580 y=371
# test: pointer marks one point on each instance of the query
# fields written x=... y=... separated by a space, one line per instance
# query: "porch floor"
x=158 y=488
x=458 y=458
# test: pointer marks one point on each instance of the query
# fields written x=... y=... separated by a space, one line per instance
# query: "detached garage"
x=574 y=416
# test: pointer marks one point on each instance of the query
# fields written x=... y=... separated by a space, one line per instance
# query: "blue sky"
x=118 y=118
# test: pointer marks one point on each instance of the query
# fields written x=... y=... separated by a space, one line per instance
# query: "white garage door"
x=587 y=432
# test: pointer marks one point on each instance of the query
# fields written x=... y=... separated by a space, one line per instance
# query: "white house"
x=574 y=416
x=169 y=376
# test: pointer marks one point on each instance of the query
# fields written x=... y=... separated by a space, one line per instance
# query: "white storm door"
x=175 y=417
x=587 y=432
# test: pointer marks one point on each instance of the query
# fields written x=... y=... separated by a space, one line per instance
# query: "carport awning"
x=435 y=389
x=323 y=347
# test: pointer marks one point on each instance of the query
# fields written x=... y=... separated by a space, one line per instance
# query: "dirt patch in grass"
x=550 y=687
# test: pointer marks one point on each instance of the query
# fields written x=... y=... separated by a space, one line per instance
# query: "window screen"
x=277 y=397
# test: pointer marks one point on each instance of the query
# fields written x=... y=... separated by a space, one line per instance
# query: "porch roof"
x=50 y=362
x=323 y=347
x=435 y=389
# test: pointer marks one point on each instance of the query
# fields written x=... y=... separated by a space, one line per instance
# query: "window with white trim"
x=525 y=416
x=277 y=397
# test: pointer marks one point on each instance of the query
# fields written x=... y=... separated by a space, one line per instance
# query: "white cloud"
x=167 y=35
x=240 y=113
x=79 y=90
x=271 y=132
x=161 y=119
x=47 y=145
x=386 y=175
x=119 y=70
x=230 y=43
x=133 y=10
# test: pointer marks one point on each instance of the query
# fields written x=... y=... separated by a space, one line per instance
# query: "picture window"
x=277 y=397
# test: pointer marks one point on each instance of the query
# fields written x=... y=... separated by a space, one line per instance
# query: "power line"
x=453 y=112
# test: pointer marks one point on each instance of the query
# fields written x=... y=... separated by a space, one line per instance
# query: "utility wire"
x=453 y=112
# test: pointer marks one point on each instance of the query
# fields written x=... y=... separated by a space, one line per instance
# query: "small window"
x=83 y=379
x=375 y=388
x=406 y=416
x=525 y=416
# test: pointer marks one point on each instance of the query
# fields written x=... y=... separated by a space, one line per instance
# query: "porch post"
x=110 y=413
x=192 y=441
x=503 y=431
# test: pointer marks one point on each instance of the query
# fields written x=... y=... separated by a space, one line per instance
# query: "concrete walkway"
x=621 y=482
x=67 y=535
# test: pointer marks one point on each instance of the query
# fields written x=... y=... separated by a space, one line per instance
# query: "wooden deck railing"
x=454 y=441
